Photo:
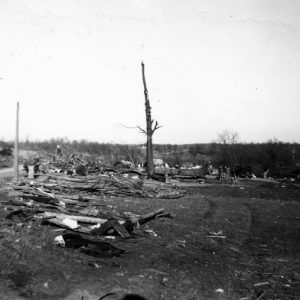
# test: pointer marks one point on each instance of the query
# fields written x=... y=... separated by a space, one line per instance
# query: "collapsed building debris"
x=72 y=194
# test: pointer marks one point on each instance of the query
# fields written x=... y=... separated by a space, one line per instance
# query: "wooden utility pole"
x=150 y=129
x=16 y=148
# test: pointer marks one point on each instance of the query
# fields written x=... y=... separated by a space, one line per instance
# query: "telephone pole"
x=16 y=148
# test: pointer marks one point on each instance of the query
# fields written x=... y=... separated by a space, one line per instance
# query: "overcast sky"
x=74 y=66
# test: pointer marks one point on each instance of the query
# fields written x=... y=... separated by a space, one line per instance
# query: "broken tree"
x=150 y=128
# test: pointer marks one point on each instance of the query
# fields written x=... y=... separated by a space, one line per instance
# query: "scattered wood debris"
x=69 y=193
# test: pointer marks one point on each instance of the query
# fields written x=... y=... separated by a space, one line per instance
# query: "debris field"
x=80 y=230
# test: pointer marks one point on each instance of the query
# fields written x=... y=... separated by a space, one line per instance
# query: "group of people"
x=223 y=171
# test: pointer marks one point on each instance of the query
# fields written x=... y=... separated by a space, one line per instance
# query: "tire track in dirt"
x=268 y=228
x=212 y=209
x=229 y=216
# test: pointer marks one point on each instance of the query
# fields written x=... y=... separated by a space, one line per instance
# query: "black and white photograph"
x=149 y=149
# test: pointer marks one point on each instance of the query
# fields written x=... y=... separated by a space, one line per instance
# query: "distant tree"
x=276 y=156
x=193 y=150
x=226 y=145
x=6 y=149
x=228 y=137
x=130 y=153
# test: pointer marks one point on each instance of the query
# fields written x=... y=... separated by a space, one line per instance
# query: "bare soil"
x=226 y=241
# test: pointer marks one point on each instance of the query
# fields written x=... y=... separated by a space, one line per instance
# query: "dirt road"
x=8 y=172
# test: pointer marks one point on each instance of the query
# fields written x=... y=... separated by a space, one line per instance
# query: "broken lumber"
x=147 y=217
x=60 y=223
x=82 y=219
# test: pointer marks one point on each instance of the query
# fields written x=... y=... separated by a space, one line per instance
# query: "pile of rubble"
x=74 y=195
x=72 y=175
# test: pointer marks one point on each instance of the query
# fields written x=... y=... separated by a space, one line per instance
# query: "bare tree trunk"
x=149 y=131
x=16 y=148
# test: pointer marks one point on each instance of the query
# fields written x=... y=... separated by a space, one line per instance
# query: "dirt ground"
x=226 y=241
